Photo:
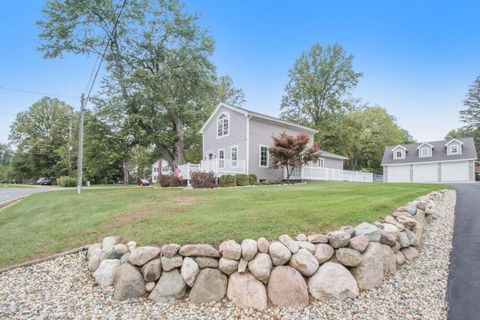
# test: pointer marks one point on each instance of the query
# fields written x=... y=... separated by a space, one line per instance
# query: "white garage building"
x=438 y=161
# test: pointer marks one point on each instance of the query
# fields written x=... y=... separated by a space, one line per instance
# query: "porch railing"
x=319 y=173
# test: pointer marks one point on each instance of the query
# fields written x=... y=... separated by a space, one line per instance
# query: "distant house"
x=236 y=140
x=451 y=160
x=160 y=167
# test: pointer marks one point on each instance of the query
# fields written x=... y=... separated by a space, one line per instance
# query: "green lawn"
x=54 y=221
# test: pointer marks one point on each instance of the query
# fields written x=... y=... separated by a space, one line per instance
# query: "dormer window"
x=223 y=125
x=454 y=147
x=425 y=150
x=399 y=152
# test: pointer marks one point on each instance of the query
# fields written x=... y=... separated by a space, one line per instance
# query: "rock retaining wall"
x=258 y=273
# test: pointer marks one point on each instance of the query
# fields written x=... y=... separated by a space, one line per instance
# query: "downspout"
x=247 y=145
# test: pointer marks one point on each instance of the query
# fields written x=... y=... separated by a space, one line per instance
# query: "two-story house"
x=237 y=140
x=450 y=160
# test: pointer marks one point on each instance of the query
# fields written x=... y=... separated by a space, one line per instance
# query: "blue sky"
x=418 y=57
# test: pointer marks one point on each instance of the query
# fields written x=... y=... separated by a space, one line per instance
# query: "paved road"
x=9 y=194
x=464 y=277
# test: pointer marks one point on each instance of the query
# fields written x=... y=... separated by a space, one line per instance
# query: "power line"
x=38 y=93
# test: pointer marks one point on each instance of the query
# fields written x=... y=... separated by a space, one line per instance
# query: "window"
x=264 y=155
x=454 y=149
x=223 y=125
x=221 y=158
x=399 y=154
x=425 y=152
x=234 y=156
x=321 y=163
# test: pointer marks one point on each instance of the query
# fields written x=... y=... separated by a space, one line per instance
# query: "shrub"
x=227 y=181
x=174 y=181
x=164 y=181
x=66 y=181
x=252 y=179
x=270 y=182
x=203 y=180
x=242 y=180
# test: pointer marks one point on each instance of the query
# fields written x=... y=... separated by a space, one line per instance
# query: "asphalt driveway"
x=464 y=276
x=10 y=194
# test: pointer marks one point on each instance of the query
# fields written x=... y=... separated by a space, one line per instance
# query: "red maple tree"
x=292 y=152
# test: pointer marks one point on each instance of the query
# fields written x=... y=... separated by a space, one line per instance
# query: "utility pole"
x=70 y=150
x=80 y=146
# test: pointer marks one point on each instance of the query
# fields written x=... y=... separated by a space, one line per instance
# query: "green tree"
x=39 y=134
x=228 y=93
x=5 y=154
x=320 y=80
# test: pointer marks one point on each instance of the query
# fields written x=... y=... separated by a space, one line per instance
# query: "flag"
x=176 y=172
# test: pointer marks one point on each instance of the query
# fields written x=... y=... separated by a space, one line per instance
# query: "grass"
x=50 y=222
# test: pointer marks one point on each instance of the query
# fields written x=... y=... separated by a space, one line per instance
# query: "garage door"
x=425 y=172
x=455 y=171
x=398 y=174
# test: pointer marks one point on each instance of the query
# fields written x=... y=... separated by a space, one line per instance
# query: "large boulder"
x=403 y=239
x=400 y=258
x=369 y=230
x=152 y=270
x=105 y=273
x=412 y=237
x=304 y=262
x=317 y=238
x=128 y=283
x=369 y=273
x=323 y=252
x=359 y=243
x=119 y=250
x=306 y=245
x=228 y=266
x=170 y=250
x=407 y=221
x=338 y=239
x=249 y=249
x=332 y=280
x=387 y=238
x=230 y=250
x=348 y=257
x=95 y=255
x=389 y=260
x=93 y=249
x=142 y=255
x=206 y=262
x=170 y=286
x=246 y=291
x=189 y=271
x=287 y=288
x=171 y=263
x=390 y=228
x=199 y=250
x=289 y=243
x=108 y=243
x=210 y=286
x=280 y=253
x=263 y=245
x=242 y=265
x=410 y=253
x=261 y=267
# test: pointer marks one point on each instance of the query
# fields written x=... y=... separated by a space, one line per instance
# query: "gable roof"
x=325 y=154
x=425 y=144
x=258 y=115
x=438 y=152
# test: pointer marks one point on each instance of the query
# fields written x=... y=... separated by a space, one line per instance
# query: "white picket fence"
x=319 y=173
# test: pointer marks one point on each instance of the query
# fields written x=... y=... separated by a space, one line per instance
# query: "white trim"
x=454 y=140
x=458 y=148
x=395 y=154
x=219 y=159
x=220 y=105
x=260 y=156
x=422 y=162
x=424 y=143
x=231 y=158
x=323 y=163
x=228 y=125
x=203 y=146
x=399 y=146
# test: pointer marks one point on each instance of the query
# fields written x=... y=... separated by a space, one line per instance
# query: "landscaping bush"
x=242 y=180
x=174 y=181
x=252 y=179
x=227 y=181
x=164 y=181
x=66 y=181
x=203 y=180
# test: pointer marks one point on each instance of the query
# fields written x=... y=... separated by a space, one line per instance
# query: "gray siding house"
x=237 y=140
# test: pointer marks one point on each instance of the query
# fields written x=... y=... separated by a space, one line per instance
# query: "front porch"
x=217 y=166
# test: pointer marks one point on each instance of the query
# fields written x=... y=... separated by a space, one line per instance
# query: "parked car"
x=44 y=182
x=143 y=182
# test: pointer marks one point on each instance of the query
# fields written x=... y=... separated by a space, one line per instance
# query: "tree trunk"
x=125 y=173
x=179 y=152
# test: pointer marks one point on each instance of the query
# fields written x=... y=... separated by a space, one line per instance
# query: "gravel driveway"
x=64 y=289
